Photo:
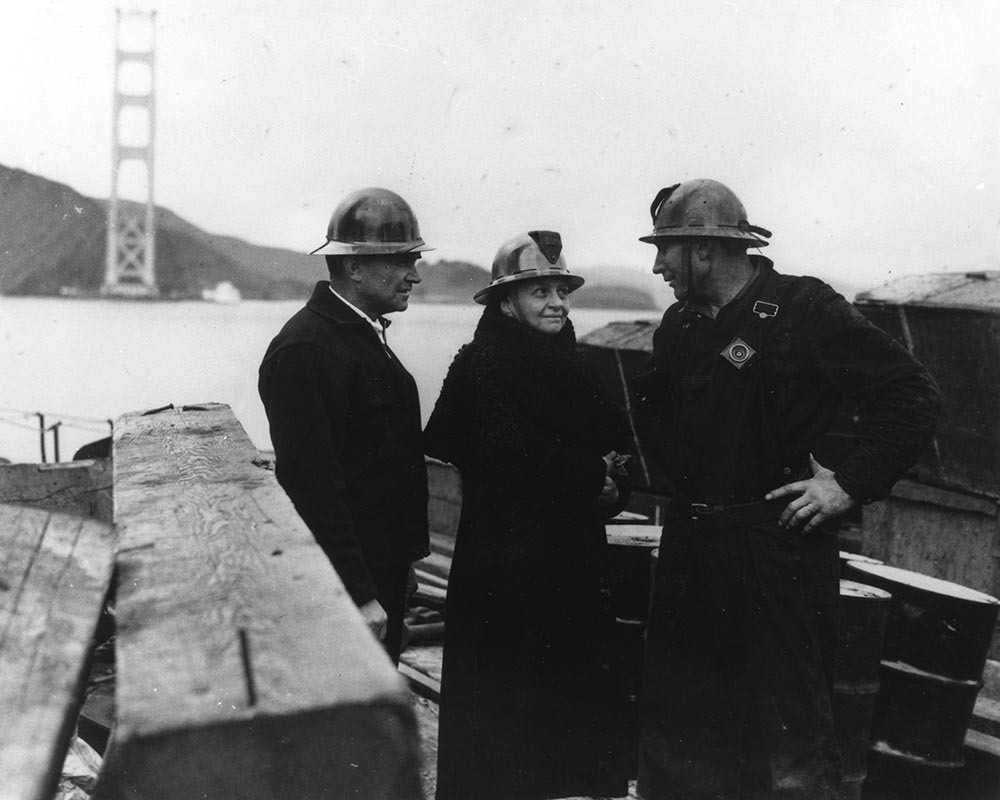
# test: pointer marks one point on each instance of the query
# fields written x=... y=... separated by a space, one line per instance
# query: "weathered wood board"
x=244 y=669
x=951 y=535
x=55 y=570
x=444 y=506
x=72 y=487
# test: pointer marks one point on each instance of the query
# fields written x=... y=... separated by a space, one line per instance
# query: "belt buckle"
x=699 y=509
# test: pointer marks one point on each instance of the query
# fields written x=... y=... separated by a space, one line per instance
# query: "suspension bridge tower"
x=130 y=269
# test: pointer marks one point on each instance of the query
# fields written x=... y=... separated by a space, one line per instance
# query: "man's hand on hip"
x=819 y=498
x=375 y=617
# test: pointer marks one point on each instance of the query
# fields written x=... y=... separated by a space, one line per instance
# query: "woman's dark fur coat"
x=530 y=698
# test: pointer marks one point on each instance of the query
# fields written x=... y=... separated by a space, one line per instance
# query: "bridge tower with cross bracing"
x=130 y=269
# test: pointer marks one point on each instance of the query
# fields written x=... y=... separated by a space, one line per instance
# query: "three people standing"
x=747 y=372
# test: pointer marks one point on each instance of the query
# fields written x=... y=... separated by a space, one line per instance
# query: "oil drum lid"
x=634 y=535
x=862 y=591
x=845 y=556
x=926 y=583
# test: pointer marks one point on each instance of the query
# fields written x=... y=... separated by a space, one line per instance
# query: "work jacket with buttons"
x=344 y=417
x=733 y=406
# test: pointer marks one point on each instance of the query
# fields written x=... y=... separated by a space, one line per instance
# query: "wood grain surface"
x=55 y=570
x=244 y=669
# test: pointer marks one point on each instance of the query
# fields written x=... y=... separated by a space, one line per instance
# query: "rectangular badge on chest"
x=738 y=353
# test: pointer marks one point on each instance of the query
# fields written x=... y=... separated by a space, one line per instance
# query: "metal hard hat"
x=702 y=208
x=537 y=254
x=372 y=221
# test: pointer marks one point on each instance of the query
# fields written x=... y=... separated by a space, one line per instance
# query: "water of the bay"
x=80 y=362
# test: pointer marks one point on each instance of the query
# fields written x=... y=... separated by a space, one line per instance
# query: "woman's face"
x=542 y=304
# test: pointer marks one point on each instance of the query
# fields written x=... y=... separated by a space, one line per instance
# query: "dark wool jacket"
x=345 y=425
x=730 y=434
x=529 y=697
x=526 y=420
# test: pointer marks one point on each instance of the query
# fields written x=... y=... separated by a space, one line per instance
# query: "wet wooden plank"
x=54 y=575
x=244 y=669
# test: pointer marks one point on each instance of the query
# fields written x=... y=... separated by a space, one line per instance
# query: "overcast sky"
x=864 y=133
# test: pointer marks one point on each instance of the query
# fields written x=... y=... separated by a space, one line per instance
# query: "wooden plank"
x=426 y=659
x=983 y=742
x=244 y=669
x=435 y=564
x=444 y=504
x=949 y=535
x=422 y=684
x=74 y=487
x=442 y=543
x=945 y=498
x=631 y=335
x=55 y=570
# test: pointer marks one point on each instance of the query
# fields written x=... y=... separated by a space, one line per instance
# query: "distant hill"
x=613 y=296
x=52 y=241
x=449 y=281
x=458 y=281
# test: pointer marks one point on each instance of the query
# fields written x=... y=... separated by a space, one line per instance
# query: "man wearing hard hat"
x=344 y=413
x=748 y=369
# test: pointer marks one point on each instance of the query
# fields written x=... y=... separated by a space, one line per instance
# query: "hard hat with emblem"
x=372 y=221
x=702 y=208
x=537 y=254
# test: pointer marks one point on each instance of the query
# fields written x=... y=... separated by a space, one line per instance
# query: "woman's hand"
x=609 y=492
x=609 y=461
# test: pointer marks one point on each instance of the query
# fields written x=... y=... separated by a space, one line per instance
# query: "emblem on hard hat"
x=528 y=256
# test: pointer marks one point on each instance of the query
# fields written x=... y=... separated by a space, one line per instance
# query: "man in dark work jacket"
x=344 y=413
x=748 y=370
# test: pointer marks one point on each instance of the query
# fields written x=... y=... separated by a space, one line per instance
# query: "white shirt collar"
x=377 y=324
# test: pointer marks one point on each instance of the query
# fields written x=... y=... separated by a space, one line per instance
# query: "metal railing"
x=46 y=428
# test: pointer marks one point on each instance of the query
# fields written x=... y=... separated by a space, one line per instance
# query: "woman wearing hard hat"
x=530 y=704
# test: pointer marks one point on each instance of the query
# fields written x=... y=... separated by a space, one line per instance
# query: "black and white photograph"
x=553 y=400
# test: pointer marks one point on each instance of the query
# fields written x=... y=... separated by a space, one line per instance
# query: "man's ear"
x=353 y=267
x=507 y=306
x=704 y=249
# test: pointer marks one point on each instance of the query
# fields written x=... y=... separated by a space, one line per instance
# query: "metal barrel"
x=654 y=558
x=934 y=625
x=629 y=582
x=864 y=612
x=936 y=642
x=846 y=558
x=923 y=717
x=627 y=569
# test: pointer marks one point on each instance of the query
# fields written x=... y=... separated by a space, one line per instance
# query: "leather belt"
x=740 y=513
